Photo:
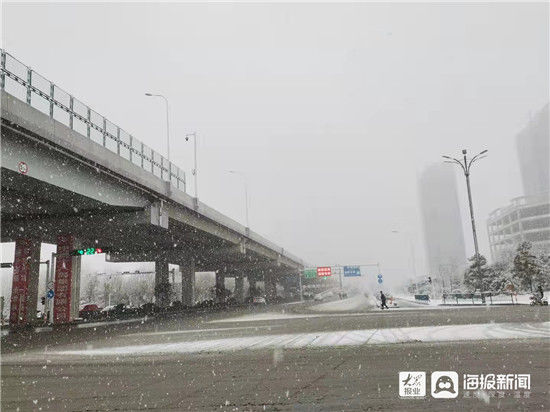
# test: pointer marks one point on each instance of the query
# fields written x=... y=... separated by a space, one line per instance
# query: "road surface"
x=282 y=358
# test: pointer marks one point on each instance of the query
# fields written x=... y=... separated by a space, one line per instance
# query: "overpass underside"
x=52 y=193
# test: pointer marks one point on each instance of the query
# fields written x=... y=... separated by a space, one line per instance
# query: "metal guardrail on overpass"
x=24 y=83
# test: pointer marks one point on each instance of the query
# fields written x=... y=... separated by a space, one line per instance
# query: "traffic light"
x=429 y=279
x=43 y=300
x=88 y=251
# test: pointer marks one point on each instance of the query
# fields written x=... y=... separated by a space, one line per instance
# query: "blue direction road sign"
x=50 y=294
x=380 y=280
x=352 y=271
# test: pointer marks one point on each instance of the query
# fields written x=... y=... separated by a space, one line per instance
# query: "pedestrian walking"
x=383 y=301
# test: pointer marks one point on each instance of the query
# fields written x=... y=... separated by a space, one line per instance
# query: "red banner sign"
x=63 y=279
x=20 y=283
x=324 y=271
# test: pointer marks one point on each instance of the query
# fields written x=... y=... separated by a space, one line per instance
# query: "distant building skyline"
x=533 y=148
x=442 y=222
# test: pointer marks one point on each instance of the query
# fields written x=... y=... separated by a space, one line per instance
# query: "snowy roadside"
x=488 y=331
x=523 y=299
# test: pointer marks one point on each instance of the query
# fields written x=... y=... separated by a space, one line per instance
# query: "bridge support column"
x=220 y=287
x=287 y=286
x=270 y=282
x=24 y=291
x=188 y=284
x=252 y=288
x=162 y=283
x=239 y=288
x=67 y=281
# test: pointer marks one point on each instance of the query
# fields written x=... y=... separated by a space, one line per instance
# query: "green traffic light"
x=88 y=251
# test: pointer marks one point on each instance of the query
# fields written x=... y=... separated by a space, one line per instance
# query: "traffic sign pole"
x=49 y=287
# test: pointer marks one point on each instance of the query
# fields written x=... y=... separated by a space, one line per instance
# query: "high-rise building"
x=443 y=233
x=533 y=145
x=527 y=218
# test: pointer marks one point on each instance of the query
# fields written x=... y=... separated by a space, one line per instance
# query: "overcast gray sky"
x=332 y=110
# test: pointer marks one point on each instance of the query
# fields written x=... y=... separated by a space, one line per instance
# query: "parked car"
x=258 y=300
x=231 y=301
x=115 y=310
x=147 y=308
x=205 y=303
x=91 y=311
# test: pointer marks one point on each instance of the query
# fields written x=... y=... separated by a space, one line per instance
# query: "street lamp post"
x=167 y=124
x=413 y=258
x=194 y=136
x=245 y=194
x=466 y=166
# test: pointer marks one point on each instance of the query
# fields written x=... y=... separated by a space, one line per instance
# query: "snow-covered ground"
x=523 y=299
x=470 y=332
x=357 y=302
x=253 y=317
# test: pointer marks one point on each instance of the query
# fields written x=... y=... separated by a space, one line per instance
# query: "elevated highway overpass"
x=72 y=178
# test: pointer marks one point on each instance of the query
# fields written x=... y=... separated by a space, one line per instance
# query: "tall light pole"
x=167 y=123
x=245 y=193
x=413 y=259
x=194 y=136
x=466 y=166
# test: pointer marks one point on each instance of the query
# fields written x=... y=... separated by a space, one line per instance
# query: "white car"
x=258 y=300
x=107 y=309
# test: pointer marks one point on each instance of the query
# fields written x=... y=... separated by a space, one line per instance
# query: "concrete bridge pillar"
x=287 y=286
x=270 y=282
x=188 y=283
x=67 y=280
x=239 y=288
x=220 y=287
x=252 y=287
x=24 y=291
x=162 y=283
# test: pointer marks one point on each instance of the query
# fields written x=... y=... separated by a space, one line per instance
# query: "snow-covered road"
x=488 y=331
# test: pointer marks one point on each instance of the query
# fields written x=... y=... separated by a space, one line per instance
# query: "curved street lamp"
x=245 y=193
x=466 y=165
x=194 y=171
x=167 y=123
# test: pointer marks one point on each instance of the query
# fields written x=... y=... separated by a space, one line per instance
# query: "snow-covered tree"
x=478 y=276
x=91 y=288
x=526 y=268
x=502 y=278
x=543 y=277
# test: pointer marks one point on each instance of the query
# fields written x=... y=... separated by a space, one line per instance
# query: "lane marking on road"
x=109 y=323
x=446 y=333
x=185 y=331
x=289 y=316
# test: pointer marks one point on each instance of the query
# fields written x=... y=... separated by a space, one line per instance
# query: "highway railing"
x=27 y=85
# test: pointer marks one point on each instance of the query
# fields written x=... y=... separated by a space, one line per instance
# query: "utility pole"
x=194 y=136
x=466 y=166
x=412 y=257
x=167 y=125
x=245 y=195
